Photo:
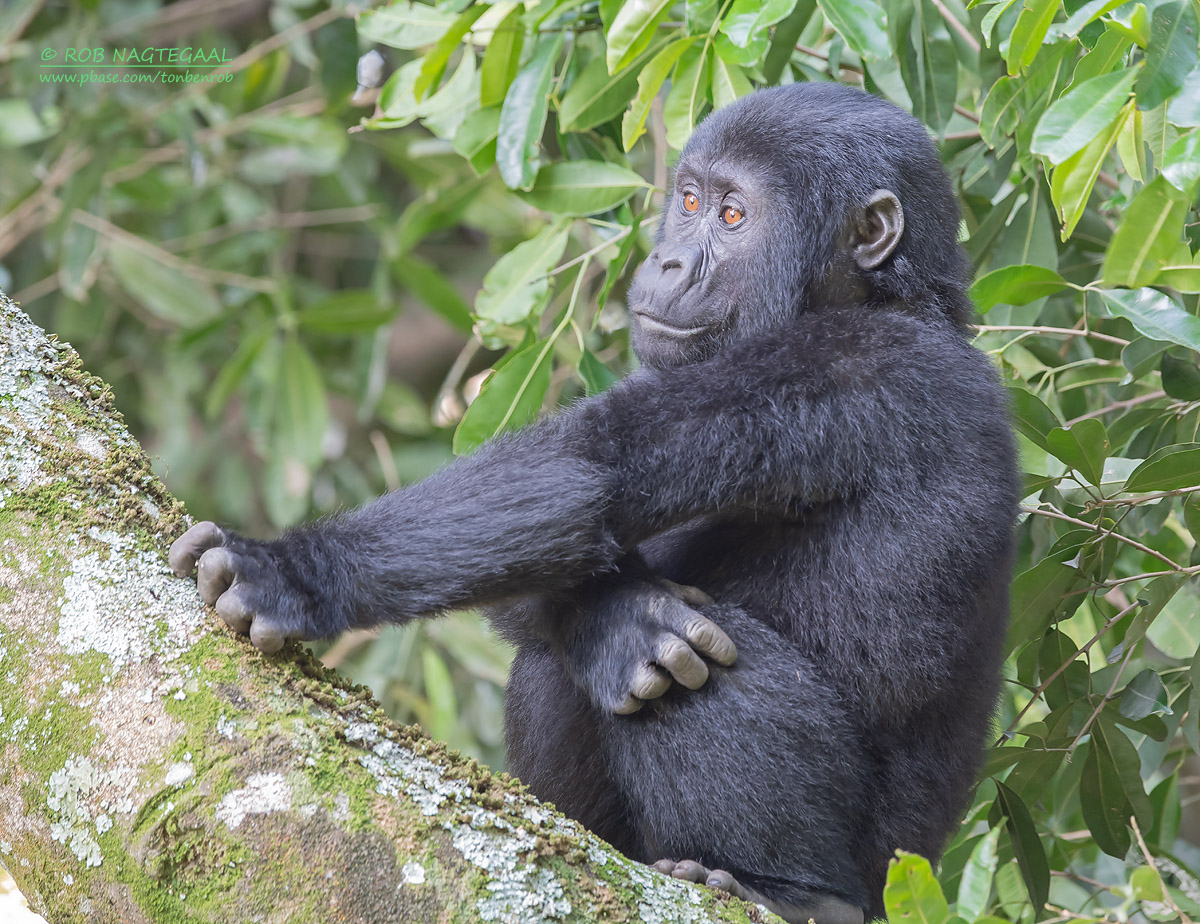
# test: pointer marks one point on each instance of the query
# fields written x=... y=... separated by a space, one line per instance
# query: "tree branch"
x=157 y=767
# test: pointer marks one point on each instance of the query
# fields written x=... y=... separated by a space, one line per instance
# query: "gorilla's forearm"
x=764 y=426
x=544 y=509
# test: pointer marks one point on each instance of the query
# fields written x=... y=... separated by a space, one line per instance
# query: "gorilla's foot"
x=823 y=909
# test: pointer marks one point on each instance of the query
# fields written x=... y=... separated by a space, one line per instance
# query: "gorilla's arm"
x=544 y=509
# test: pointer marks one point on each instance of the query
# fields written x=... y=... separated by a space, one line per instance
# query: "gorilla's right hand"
x=245 y=583
x=629 y=643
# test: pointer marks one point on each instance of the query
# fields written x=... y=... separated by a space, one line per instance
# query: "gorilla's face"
x=685 y=299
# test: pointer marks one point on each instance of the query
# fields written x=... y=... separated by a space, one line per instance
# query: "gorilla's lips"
x=652 y=324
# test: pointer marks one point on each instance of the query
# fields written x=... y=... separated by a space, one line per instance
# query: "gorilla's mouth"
x=658 y=326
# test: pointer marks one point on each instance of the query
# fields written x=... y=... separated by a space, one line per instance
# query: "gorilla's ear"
x=878 y=229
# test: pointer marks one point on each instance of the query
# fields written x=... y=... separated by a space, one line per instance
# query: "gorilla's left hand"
x=629 y=643
x=245 y=583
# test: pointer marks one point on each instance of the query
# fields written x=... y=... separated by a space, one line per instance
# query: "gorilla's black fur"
x=813 y=441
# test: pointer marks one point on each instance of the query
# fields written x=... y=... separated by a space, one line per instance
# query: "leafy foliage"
x=1071 y=130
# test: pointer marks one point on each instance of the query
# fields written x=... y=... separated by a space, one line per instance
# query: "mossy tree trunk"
x=153 y=767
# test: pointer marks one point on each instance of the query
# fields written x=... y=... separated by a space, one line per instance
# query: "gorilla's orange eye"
x=731 y=215
x=690 y=202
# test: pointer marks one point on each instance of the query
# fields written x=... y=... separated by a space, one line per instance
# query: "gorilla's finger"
x=692 y=596
x=191 y=545
x=664 y=866
x=720 y=879
x=232 y=608
x=214 y=574
x=690 y=870
x=266 y=636
x=674 y=654
x=649 y=682
x=710 y=639
x=628 y=706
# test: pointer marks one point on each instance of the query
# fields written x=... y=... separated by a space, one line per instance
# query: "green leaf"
x=1035 y=597
x=1026 y=844
x=862 y=24
x=475 y=139
x=1146 y=885
x=161 y=288
x=928 y=63
x=1145 y=241
x=1128 y=766
x=1153 y=314
x=1031 y=417
x=352 y=311
x=1087 y=13
x=1058 y=651
x=1184 y=109
x=434 y=63
x=596 y=376
x=1029 y=33
x=523 y=116
x=597 y=96
x=1181 y=374
x=1106 y=811
x=1169 y=468
x=650 y=81
x=1084 y=447
x=912 y=894
x=1176 y=630
x=249 y=348
x=1079 y=116
x=688 y=97
x=404 y=25
x=784 y=39
x=728 y=83
x=1181 y=167
x=1171 y=54
x=510 y=398
x=617 y=265
x=975 y=887
x=583 y=187
x=1106 y=56
x=632 y=30
x=516 y=286
x=301 y=410
x=433 y=288
x=1145 y=695
x=502 y=59
x=1015 y=285
x=1073 y=180
x=747 y=17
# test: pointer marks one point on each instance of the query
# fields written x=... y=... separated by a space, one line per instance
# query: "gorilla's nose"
x=678 y=266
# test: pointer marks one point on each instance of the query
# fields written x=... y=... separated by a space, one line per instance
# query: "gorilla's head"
x=796 y=199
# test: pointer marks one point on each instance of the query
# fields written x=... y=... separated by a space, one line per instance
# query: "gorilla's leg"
x=757 y=778
x=552 y=734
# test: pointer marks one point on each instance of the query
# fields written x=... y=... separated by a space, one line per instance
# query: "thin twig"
x=143 y=246
x=952 y=21
x=1104 y=701
x=1081 y=650
x=1054 y=514
x=1062 y=331
x=1119 y=406
x=1144 y=498
x=1168 y=900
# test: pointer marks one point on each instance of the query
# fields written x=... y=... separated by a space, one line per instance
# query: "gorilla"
x=758 y=587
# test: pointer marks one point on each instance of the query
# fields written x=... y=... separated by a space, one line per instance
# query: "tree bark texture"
x=154 y=767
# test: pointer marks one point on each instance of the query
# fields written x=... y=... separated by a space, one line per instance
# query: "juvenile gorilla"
x=812 y=440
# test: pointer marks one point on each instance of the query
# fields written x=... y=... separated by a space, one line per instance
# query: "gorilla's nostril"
x=671 y=263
